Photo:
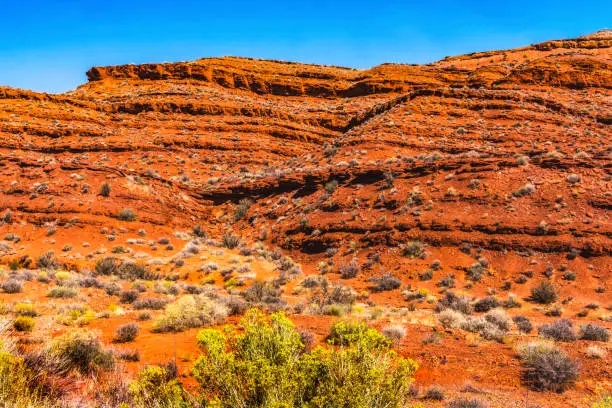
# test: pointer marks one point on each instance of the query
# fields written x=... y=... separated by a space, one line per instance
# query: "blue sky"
x=48 y=45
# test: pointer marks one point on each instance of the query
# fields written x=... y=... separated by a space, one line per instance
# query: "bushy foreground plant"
x=265 y=364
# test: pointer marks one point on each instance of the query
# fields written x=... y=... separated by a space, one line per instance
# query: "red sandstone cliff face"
x=501 y=154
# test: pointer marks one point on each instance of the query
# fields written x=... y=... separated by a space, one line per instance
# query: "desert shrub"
x=413 y=249
x=263 y=363
x=544 y=293
x=395 y=332
x=129 y=296
x=331 y=186
x=511 y=303
x=499 y=318
x=347 y=333
x=62 y=292
x=128 y=355
x=47 y=261
x=75 y=314
x=455 y=302
x=447 y=282
x=547 y=368
x=451 y=319
x=133 y=271
x=157 y=387
x=475 y=272
x=81 y=351
x=105 y=189
x=466 y=403
x=594 y=333
x=349 y=270
x=25 y=309
x=434 y=393
x=524 y=190
x=127 y=214
x=112 y=289
x=596 y=352
x=560 y=330
x=230 y=240
x=190 y=311
x=569 y=275
x=261 y=292
x=126 y=332
x=24 y=323
x=523 y=323
x=11 y=286
x=242 y=208
x=107 y=266
x=385 y=282
x=150 y=303
x=20 y=385
x=427 y=275
x=486 y=304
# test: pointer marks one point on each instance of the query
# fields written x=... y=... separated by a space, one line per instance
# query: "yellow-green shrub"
x=264 y=363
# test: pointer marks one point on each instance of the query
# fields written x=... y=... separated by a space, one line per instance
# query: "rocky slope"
x=500 y=158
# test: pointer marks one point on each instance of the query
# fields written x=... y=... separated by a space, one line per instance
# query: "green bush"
x=263 y=363
x=24 y=323
x=81 y=351
x=156 y=387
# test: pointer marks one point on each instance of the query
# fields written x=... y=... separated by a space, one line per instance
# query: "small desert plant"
x=242 y=208
x=396 y=332
x=385 y=282
x=331 y=186
x=434 y=393
x=486 y=304
x=189 y=312
x=560 y=330
x=455 y=302
x=62 y=292
x=24 y=323
x=80 y=350
x=350 y=270
x=523 y=323
x=466 y=403
x=25 y=309
x=129 y=296
x=105 y=189
x=547 y=367
x=596 y=352
x=230 y=240
x=475 y=272
x=451 y=318
x=594 y=333
x=413 y=249
x=544 y=293
x=107 y=266
x=12 y=286
x=126 y=333
x=150 y=303
x=127 y=214
x=47 y=261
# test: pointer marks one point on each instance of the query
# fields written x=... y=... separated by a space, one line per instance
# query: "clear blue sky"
x=48 y=45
